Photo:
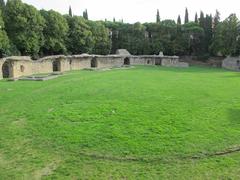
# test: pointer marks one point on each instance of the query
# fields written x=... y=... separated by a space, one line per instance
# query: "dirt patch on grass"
x=20 y=122
x=47 y=170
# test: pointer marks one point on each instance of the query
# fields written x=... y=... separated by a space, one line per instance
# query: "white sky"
x=139 y=10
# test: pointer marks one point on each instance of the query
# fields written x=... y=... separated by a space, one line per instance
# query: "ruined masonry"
x=17 y=66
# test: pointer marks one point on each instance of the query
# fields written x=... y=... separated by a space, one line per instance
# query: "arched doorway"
x=126 y=61
x=56 y=65
x=7 y=69
x=94 y=63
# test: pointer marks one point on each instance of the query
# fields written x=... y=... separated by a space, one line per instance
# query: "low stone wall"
x=109 y=61
x=16 y=66
x=39 y=67
x=173 y=62
x=231 y=63
x=142 y=60
x=195 y=61
x=24 y=66
x=1 y=64
x=78 y=62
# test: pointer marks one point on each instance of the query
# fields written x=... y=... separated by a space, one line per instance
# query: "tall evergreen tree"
x=2 y=5
x=179 y=22
x=202 y=19
x=4 y=41
x=216 y=19
x=158 y=17
x=70 y=11
x=85 y=14
x=186 y=16
x=196 y=18
x=208 y=31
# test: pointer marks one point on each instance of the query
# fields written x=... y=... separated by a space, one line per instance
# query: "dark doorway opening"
x=158 y=62
x=126 y=61
x=148 y=61
x=7 y=69
x=56 y=65
x=94 y=62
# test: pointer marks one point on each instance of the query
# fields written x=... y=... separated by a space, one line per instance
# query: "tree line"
x=24 y=30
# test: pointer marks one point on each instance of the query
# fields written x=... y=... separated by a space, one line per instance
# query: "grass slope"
x=147 y=122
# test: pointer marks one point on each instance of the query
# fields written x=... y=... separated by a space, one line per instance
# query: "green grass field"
x=144 y=123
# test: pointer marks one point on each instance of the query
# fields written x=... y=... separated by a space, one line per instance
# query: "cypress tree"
x=216 y=19
x=202 y=20
x=114 y=20
x=196 y=18
x=2 y=5
x=85 y=14
x=158 y=17
x=179 y=22
x=70 y=11
x=186 y=16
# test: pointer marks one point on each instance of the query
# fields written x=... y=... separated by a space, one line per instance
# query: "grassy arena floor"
x=145 y=123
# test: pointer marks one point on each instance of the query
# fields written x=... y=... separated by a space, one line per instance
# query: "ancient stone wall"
x=79 y=62
x=109 y=61
x=21 y=68
x=173 y=61
x=42 y=67
x=231 y=63
x=1 y=64
x=24 y=66
x=142 y=60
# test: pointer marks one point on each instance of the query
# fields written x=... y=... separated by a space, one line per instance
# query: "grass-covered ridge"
x=145 y=122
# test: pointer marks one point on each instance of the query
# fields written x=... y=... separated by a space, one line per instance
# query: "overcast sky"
x=139 y=10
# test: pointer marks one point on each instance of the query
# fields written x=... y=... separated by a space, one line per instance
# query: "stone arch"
x=126 y=61
x=7 y=70
x=56 y=64
x=94 y=63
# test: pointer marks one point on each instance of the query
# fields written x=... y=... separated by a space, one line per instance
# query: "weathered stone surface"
x=123 y=52
x=15 y=67
x=231 y=63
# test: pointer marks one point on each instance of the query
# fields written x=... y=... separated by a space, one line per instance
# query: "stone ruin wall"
x=231 y=63
x=1 y=64
x=142 y=60
x=78 y=62
x=173 y=61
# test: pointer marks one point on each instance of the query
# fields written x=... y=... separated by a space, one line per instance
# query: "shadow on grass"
x=237 y=75
x=191 y=69
x=234 y=116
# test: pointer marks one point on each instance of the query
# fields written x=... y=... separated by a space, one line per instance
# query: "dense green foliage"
x=4 y=41
x=33 y=32
x=24 y=26
x=101 y=40
x=79 y=35
x=55 y=33
x=101 y=125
